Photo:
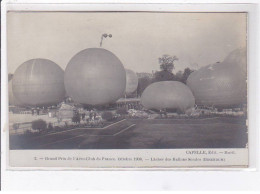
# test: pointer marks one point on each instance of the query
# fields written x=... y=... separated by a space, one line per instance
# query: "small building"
x=65 y=111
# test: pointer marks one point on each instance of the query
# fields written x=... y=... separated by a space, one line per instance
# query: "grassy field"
x=145 y=134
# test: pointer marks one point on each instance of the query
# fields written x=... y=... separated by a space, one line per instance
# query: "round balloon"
x=38 y=82
x=95 y=76
x=238 y=58
x=12 y=100
x=221 y=84
x=167 y=94
x=131 y=81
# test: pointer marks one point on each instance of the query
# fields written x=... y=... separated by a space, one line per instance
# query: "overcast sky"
x=138 y=38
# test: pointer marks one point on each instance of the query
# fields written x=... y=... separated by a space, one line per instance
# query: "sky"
x=139 y=38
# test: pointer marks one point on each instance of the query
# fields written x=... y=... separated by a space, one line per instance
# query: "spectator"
x=161 y=113
x=165 y=113
x=91 y=115
x=83 y=116
x=95 y=114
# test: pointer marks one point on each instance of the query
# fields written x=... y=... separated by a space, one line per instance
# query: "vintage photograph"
x=127 y=80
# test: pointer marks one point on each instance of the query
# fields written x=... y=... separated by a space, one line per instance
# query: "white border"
x=109 y=180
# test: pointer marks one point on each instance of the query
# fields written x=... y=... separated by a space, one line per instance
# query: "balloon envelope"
x=131 y=81
x=221 y=84
x=167 y=94
x=12 y=100
x=238 y=58
x=95 y=76
x=38 y=82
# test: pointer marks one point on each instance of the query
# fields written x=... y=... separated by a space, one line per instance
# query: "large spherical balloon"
x=167 y=94
x=238 y=58
x=131 y=81
x=221 y=84
x=95 y=76
x=39 y=82
x=12 y=100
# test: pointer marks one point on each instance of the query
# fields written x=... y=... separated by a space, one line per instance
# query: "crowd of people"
x=88 y=116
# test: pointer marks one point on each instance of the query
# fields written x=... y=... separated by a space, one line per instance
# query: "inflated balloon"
x=12 y=100
x=38 y=82
x=95 y=76
x=167 y=95
x=131 y=81
x=221 y=84
x=238 y=58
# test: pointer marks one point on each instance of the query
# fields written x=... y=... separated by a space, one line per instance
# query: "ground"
x=217 y=132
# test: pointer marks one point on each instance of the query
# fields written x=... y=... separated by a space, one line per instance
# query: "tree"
x=39 y=124
x=76 y=117
x=179 y=76
x=163 y=76
x=50 y=126
x=186 y=73
x=166 y=65
x=166 y=62
x=183 y=76
x=143 y=82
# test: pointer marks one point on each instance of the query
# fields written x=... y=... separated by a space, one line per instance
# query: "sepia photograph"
x=127 y=89
x=130 y=95
x=127 y=80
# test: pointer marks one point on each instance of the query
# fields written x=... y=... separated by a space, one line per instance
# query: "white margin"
x=154 y=180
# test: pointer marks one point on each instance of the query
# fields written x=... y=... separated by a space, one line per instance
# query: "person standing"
x=83 y=116
x=91 y=115
x=95 y=114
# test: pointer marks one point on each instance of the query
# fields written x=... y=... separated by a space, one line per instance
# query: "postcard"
x=127 y=89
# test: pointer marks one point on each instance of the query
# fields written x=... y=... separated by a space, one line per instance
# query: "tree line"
x=166 y=63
